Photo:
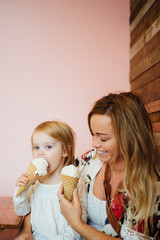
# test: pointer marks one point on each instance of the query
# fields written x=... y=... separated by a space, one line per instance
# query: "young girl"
x=53 y=141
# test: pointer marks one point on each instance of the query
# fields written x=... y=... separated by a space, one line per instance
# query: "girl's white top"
x=71 y=171
x=41 y=164
x=47 y=221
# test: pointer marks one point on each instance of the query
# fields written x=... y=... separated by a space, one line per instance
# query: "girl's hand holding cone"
x=37 y=168
x=22 y=180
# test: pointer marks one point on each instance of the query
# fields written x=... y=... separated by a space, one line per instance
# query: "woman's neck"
x=118 y=166
x=117 y=176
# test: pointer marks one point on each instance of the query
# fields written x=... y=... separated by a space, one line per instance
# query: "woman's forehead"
x=101 y=124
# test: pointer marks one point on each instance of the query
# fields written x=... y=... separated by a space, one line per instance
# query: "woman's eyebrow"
x=104 y=134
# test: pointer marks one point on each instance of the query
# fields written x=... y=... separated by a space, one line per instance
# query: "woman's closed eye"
x=104 y=140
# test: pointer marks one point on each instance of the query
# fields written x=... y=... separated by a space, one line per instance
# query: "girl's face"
x=50 y=149
x=103 y=137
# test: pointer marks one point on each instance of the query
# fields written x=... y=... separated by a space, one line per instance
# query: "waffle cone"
x=31 y=178
x=69 y=184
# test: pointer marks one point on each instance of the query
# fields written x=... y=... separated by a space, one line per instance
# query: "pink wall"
x=56 y=57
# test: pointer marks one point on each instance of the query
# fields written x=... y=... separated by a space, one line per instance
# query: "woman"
x=126 y=159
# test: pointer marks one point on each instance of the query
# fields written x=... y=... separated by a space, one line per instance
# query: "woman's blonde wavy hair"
x=136 y=143
x=62 y=132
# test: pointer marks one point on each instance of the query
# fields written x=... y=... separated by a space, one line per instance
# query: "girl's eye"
x=35 y=147
x=48 y=146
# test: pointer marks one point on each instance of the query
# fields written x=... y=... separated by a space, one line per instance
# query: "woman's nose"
x=95 y=142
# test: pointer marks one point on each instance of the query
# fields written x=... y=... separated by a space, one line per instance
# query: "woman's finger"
x=76 y=200
x=63 y=202
x=62 y=199
x=60 y=192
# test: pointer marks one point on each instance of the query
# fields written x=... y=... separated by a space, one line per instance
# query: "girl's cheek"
x=48 y=168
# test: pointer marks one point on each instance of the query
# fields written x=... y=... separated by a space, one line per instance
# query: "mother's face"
x=103 y=137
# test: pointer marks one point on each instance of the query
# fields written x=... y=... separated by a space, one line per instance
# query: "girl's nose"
x=41 y=153
x=95 y=142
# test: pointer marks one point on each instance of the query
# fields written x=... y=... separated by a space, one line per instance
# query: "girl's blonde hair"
x=136 y=143
x=62 y=132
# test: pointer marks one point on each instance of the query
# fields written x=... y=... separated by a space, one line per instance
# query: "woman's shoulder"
x=89 y=165
x=84 y=158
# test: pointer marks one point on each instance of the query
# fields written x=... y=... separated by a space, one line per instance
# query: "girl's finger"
x=22 y=180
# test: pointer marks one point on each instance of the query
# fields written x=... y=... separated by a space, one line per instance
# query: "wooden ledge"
x=8 y=218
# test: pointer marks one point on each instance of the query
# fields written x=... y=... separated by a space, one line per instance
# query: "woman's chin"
x=104 y=158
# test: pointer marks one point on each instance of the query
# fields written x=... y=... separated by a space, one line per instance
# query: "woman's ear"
x=65 y=154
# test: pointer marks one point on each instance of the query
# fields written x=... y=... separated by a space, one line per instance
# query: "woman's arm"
x=73 y=213
x=25 y=232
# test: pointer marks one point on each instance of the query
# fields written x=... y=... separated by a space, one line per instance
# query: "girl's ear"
x=66 y=151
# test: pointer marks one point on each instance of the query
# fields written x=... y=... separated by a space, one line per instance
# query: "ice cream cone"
x=69 y=184
x=32 y=177
x=37 y=168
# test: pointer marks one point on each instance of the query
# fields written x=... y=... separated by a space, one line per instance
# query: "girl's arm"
x=21 y=203
x=25 y=232
x=73 y=213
